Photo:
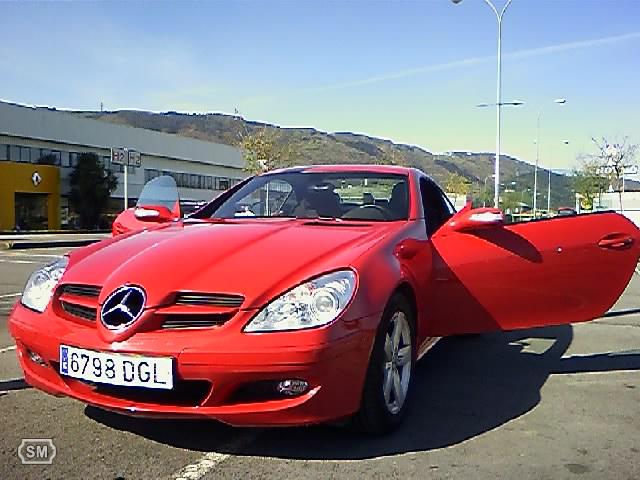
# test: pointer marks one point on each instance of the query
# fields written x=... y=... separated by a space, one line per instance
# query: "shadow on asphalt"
x=464 y=387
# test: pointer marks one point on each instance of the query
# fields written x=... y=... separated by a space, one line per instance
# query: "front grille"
x=210 y=299
x=81 y=290
x=185 y=393
x=86 y=313
x=259 y=391
x=194 y=320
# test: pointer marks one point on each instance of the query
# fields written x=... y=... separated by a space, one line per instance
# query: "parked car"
x=564 y=211
x=314 y=307
x=162 y=194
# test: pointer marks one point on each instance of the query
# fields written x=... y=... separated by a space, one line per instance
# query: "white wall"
x=630 y=207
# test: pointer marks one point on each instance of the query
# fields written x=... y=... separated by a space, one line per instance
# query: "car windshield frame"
x=315 y=196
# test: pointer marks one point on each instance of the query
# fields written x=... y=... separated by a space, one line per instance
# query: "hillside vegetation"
x=315 y=147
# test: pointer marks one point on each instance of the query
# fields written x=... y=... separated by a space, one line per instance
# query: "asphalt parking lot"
x=559 y=402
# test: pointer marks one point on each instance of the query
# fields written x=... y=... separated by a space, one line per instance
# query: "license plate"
x=117 y=368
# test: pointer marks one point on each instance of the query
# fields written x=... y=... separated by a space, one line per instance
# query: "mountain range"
x=313 y=146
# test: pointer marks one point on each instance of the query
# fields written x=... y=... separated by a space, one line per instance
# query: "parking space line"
x=621 y=313
x=209 y=460
x=20 y=261
x=7 y=349
x=22 y=254
x=10 y=295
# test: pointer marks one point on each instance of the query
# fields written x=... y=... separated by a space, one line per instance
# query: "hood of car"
x=255 y=259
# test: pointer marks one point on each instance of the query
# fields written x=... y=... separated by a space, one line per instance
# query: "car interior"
x=321 y=200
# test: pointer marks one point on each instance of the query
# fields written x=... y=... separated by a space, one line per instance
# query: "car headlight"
x=41 y=283
x=312 y=304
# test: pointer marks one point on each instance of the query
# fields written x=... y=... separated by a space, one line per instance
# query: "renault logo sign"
x=36 y=179
x=123 y=307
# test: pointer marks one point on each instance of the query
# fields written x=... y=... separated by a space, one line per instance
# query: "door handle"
x=616 y=241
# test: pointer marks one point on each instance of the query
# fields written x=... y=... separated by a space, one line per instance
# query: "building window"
x=209 y=183
x=4 y=152
x=45 y=157
x=25 y=154
x=36 y=155
x=73 y=159
x=64 y=160
x=223 y=184
x=150 y=174
x=14 y=153
x=56 y=157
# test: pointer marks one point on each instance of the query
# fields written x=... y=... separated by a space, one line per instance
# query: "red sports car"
x=304 y=295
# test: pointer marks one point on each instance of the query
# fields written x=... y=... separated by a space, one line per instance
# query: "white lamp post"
x=499 y=16
x=565 y=142
x=559 y=101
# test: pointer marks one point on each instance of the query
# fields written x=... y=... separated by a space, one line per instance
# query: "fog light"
x=35 y=358
x=292 y=387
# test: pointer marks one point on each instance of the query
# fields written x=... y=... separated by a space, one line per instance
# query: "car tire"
x=387 y=385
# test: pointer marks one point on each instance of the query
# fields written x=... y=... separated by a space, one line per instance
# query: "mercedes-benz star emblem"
x=123 y=307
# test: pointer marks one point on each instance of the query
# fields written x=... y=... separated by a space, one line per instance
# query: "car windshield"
x=333 y=195
x=159 y=191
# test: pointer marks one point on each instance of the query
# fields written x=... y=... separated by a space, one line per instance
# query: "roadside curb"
x=25 y=245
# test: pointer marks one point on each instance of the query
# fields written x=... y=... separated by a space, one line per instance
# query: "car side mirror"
x=154 y=213
x=476 y=219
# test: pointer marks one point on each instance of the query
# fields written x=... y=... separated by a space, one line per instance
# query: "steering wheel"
x=383 y=211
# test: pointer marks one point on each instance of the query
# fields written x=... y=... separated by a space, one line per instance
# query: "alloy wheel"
x=397 y=362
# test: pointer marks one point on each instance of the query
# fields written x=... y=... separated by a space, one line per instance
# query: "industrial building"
x=39 y=147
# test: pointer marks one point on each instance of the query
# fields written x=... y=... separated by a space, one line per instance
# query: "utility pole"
x=499 y=16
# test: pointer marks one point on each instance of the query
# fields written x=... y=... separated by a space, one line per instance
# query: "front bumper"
x=220 y=373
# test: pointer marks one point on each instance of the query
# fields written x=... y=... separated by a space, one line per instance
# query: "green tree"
x=510 y=201
x=456 y=185
x=262 y=152
x=91 y=186
x=587 y=182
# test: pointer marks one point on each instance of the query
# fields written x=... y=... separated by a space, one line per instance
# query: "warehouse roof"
x=49 y=124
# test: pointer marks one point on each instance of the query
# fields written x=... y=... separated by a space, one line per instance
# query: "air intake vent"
x=81 y=290
x=86 y=313
x=210 y=299
x=205 y=320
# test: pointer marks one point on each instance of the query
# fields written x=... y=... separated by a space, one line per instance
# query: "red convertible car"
x=304 y=295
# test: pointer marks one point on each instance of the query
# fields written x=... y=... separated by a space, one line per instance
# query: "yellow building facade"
x=29 y=196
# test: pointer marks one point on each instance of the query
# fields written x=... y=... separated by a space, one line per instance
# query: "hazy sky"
x=410 y=71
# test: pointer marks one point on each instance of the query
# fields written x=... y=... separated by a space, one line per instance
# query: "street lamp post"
x=514 y=103
x=499 y=16
x=565 y=142
x=559 y=101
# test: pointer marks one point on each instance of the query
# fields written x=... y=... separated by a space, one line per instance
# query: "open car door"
x=159 y=202
x=489 y=276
